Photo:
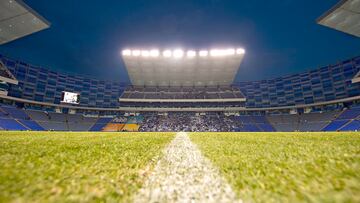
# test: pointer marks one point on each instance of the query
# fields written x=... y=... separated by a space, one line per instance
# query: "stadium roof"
x=344 y=16
x=18 y=20
x=216 y=67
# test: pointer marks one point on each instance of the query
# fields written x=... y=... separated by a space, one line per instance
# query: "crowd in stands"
x=199 y=122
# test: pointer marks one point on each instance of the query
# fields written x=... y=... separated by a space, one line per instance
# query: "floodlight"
x=136 y=52
x=126 y=52
x=191 y=53
x=203 y=53
x=178 y=53
x=240 y=51
x=154 y=53
x=167 y=53
x=145 y=53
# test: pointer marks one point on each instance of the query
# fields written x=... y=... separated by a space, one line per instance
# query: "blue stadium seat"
x=259 y=119
x=266 y=127
x=350 y=114
x=11 y=124
x=245 y=119
x=352 y=126
x=32 y=125
x=335 y=125
x=15 y=113
x=251 y=128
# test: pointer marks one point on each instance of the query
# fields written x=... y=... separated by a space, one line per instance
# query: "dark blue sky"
x=280 y=37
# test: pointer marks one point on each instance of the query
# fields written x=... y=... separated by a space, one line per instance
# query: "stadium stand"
x=62 y=122
x=346 y=121
x=11 y=124
x=15 y=113
x=327 y=94
x=352 y=126
x=302 y=122
x=113 y=127
x=182 y=93
x=100 y=124
x=324 y=84
x=31 y=125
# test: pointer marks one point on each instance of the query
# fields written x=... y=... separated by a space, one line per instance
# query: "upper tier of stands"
x=182 y=93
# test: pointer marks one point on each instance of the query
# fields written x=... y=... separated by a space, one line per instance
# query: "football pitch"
x=113 y=167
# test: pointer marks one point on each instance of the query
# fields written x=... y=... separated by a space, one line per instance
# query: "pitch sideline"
x=184 y=175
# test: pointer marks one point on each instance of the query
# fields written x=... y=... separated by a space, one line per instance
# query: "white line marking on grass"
x=184 y=175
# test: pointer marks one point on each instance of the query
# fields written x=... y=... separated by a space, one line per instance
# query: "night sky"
x=280 y=37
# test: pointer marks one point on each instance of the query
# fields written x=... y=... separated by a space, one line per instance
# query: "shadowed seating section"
x=257 y=123
x=62 y=122
x=78 y=122
x=301 y=122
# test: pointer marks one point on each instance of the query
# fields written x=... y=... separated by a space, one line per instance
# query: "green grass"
x=75 y=167
x=287 y=167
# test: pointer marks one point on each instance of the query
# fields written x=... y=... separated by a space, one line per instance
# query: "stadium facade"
x=325 y=84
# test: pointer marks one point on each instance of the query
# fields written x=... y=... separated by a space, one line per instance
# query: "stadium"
x=182 y=128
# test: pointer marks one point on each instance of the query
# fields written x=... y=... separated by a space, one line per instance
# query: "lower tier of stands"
x=12 y=118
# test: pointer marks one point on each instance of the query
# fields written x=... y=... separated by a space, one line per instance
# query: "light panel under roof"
x=177 y=67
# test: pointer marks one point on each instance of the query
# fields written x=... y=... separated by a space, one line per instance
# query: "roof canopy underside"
x=18 y=20
x=344 y=16
x=172 y=72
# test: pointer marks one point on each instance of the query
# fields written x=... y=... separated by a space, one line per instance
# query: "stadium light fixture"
x=154 y=53
x=240 y=51
x=191 y=53
x=136 y=52
x=167 y=53
x=126 y=52
x=145 y=53
x=178 y=53
x=203 y=53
